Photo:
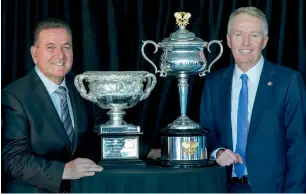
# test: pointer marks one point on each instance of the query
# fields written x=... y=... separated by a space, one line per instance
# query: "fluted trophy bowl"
x=115 y=90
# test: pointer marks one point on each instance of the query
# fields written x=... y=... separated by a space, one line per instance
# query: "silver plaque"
x=120 y=148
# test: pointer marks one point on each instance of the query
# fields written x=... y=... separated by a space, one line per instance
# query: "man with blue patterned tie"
x=48 y=136
x=255 y=113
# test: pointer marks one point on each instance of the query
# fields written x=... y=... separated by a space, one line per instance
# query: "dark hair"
x=50 y=23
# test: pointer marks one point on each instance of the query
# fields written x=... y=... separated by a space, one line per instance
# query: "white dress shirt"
x=253 y=80
x=51 y=88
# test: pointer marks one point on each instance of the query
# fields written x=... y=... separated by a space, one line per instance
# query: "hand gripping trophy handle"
x=203 y=73
x=78 y=82
x=162 y=73
x=151 y=82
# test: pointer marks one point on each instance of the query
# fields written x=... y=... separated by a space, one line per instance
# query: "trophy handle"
x=145 y=56
x=78 y=82
x=203 y=73
x=151 y=82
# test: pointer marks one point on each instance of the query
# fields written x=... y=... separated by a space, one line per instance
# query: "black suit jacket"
x=35 y=146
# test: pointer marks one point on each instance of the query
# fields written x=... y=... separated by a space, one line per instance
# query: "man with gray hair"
x=255 y=113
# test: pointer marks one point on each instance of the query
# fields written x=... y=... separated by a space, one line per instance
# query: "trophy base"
x=120 y=143
x=122 y=164
x=183 y=148
x=171 y=131
x=184 y=163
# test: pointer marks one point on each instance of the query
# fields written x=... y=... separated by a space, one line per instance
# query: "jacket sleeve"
x=18 y=159
x=92 y=139
x=295 y=118
x=206 y=117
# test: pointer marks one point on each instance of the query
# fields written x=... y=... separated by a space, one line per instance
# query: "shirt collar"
x=253 y=73
x=50 y=85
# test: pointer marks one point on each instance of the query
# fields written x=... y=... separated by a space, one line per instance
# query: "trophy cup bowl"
x=116 y=91
x=183 y=142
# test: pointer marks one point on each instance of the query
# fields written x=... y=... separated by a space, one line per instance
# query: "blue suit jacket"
x=276 y=144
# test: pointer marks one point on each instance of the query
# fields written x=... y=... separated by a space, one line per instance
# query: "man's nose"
x=246 y=40
x=59 y=53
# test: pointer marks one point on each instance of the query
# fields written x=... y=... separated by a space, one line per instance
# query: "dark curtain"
x=108 y=34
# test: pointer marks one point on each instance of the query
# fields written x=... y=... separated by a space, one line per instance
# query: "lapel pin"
x=269 y=83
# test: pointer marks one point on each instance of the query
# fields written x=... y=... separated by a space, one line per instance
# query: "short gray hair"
x=251 y=11
x=50 y=23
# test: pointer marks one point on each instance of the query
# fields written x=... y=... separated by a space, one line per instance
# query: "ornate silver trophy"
x=183 y=142
x=117 y=90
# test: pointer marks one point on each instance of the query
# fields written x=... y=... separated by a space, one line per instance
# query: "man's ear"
x=265 y=41
x=33 y=53
x=228 y=41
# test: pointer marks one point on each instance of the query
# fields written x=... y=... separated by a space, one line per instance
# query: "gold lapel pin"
x=269 y=83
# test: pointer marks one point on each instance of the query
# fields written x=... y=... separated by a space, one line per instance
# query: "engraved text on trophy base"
x=120 y=148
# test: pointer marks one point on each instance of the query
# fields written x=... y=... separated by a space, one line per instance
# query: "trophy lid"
x=182 y=36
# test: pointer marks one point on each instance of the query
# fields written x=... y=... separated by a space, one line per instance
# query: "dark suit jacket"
x=276 y=144
x=35 y=146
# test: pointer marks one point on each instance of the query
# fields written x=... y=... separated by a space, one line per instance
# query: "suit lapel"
x=263 y=96
x=43 y=103
x=226 y=103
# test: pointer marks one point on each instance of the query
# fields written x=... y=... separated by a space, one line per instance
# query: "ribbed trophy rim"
x=114 y=72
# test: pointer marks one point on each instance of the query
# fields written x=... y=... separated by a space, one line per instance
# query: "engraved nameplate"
x=120 y=148
x=123 y=129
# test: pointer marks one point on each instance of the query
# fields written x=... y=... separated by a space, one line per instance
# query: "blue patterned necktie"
x=65 y=115
x=242 y=125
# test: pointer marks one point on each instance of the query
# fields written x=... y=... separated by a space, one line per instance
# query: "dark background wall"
x=108 y=34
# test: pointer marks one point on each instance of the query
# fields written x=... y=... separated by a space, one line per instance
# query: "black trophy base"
x=184 y=163
x=122 y=163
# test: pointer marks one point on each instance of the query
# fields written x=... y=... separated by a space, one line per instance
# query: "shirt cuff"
x=213 y=155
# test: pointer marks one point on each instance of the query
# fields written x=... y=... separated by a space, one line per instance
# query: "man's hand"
x=154 y=154
x=80 y=167
x=227 y=158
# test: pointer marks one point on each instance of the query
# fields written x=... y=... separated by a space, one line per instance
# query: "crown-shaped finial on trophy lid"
x=182 y=34
x=182 y=18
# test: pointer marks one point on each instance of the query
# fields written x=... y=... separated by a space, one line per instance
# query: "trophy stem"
x=183 y=122
x=183 y=92
x=116 y=117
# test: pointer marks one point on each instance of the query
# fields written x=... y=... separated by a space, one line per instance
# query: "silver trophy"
x=117 y=90
x=183 y=140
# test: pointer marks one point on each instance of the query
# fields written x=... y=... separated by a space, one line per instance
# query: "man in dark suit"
x=47 y=127
x=255 y=113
